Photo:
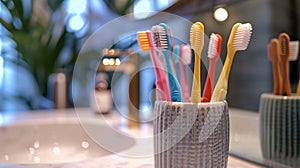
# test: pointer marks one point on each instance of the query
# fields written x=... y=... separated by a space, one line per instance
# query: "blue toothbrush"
x=162 y=41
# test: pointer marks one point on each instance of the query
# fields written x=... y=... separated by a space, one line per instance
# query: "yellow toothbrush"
x=197 y=43
x=238 y=40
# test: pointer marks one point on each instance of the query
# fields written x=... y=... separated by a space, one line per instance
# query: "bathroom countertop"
x=113 y=160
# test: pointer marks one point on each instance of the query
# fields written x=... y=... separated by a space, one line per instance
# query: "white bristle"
x=212 y=47
x=159 y=37
x=242 y=37
x=186 y=54
x=294 y=50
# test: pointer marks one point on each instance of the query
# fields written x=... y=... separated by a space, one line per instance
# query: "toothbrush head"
x=214 y=48
x=186 y=54
x=294 y=50
x=240 y=36
x=273 y=50
x=175 y=54
x=269 y=48
x=159 y=36
x=144 y=40
x=284 y=41
x=197 y=37
x=168 y=34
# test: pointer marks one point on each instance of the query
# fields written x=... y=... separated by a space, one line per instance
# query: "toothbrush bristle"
x=143 y=41
x=242 y=37
x=294 y=50
x=186 y=54
x=197 y=37
x=160 y=37
x=213 y=45
x=284 y=44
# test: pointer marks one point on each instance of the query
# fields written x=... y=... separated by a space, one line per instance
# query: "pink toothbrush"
x=185 y=56
x=146 y=44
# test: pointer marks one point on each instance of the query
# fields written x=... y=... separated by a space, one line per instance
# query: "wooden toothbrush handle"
x=277 y=78
x=286 y=86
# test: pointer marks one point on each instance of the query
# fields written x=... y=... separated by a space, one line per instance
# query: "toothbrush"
x=145 y=42
x=183 y=53
x=197 y=43
x=274 y=57
x=214 y=50
x=175 y=55
x=284 y=41
x=185 y=57
x=238 y=40
x=163 y=42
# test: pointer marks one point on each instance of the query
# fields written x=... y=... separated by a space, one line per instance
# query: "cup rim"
x=200 y=104
x=273 y=96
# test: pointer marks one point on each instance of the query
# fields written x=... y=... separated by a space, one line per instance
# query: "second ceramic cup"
x=191 y=134
x=280 y=129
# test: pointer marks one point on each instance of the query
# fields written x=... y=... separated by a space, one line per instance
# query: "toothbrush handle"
x=285 y=74
x=273 y=50
x=208 y=88
x=174 y=85
x=220 y=91
x=277 y=78
x=163 y=92
x=183 y=83
x=196 y=87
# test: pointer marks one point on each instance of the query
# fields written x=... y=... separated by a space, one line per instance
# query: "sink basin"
x=54 y=140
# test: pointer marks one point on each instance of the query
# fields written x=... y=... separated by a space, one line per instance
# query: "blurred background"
x=41 y=41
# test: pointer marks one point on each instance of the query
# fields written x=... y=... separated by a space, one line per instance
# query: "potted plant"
x=42 y=39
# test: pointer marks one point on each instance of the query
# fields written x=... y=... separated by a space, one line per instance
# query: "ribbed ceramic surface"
x=280 y=128
x=191 y=135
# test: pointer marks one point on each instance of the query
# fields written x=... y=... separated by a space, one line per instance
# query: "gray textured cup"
x=280 y=129
x=191 y=134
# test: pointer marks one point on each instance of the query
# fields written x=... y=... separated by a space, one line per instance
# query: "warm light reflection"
x=105 y=61
x=85 y=144
x=111 y=61
x=118 y=62
x=6 y=157
x=31 y=150
x=37 y=159
x=56 y=151
x=105 y=51
x=111 y=52
x=36 y=144
x=221 y=14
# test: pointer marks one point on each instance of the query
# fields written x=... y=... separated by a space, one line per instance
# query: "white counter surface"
x=113 y=160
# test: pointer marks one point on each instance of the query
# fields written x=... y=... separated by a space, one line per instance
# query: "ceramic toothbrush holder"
x=191 y=134
x=280 y=129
